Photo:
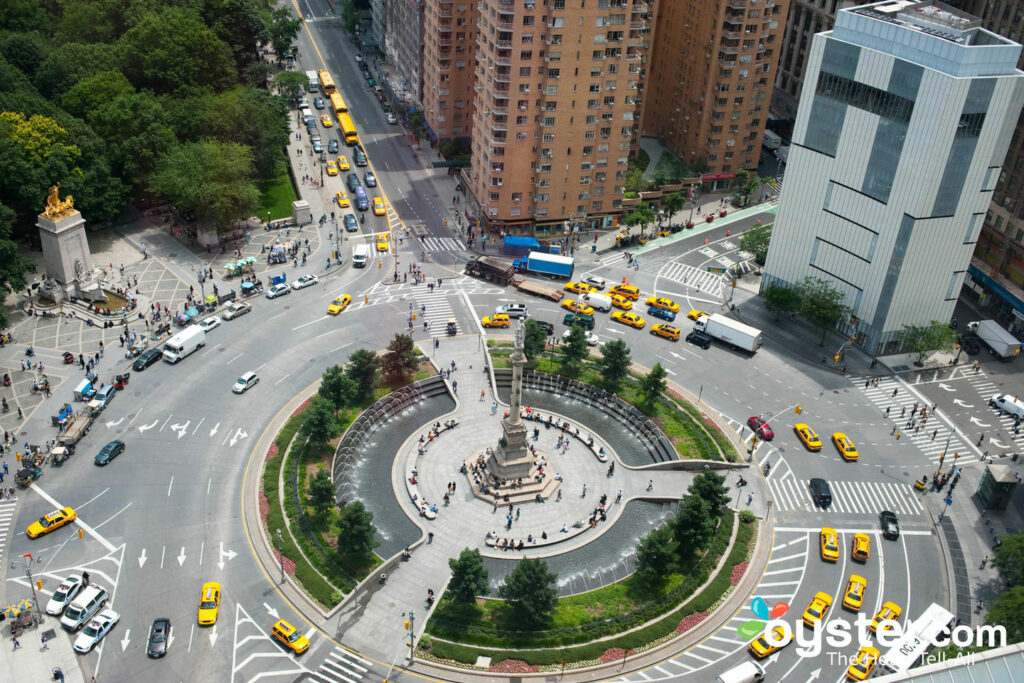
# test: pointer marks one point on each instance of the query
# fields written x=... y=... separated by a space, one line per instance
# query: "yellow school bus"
x=338 y=104
x=348 y=130
x=326 y=82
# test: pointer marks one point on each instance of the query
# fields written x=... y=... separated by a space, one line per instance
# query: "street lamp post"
x=28 y=572
x=280 y=552
x=948 y=439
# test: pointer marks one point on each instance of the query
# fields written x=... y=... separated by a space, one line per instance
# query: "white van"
x=599 y=301
x=360 y=255
x=184 y=343
x=747 y=672
x=1008 y=403
x=83 y=607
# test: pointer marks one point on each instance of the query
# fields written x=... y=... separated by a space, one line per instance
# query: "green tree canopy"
x=655 y=558
x=363 y=366
x=642 y=215
x=399 y=362
x=755 y=241
x=321 y=492
x=1008 y=610
x=692 y=526
x=780 y=299
x=469 y=576
x=822 y=305
x=530 y=588
x=12 y=266
x=318 y=422
x=653 y=385
x=356 y=533
x=935 y=336
x=575 y=349
x=711 y=487
x=535 y=339
x=284 y=29
x=614 y=363
x=1008 y=558
x=337 y=387
x=253 y=117
x=673 y=202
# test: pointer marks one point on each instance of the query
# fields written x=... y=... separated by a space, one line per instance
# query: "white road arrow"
x=142 y=558
x=181 y=428
x=946 y=387
x=215 y=428
x=125 y=640
x=170 y=638
x=143 y=428
x=213 y=635
x=239 y=434
x=230 y=554
x=270 y=610
x=978 y=422
x=960 y=403
x=181 y=556
x=675 y=355
x=814 y=674
x=114 y=424
x=997 y=444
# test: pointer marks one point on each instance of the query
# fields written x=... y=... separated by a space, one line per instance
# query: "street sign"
x=716 y=270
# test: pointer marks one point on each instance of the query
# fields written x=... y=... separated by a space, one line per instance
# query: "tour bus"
x=313 y=85
x=917 y=638
x=348 y=130
x=326 y=82
x=338 y=104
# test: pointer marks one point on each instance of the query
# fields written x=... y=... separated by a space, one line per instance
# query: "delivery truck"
x=1000 y=342
x=184 y=343
x=360 y=255
x=537 y=263
x=729 y=331
x=771 y=140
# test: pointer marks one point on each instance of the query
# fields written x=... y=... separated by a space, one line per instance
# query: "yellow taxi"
x=628 y=291
x=863 y=663
x=666 y=331
x=51 y=522
x=209 y=604
x=845 y=446
x=326 y=120
x=829 y=544
x=332 y=168
x=694 y=314
x=576 y=307
x=854 y=596
x=890 y=612
x=619 y=301
x=496 y=320
x=339 y=304
x=378 y=206
x=818 y=608
x=382 y=241
x=579 y=287
x=629 y=318
x=663 y=303
x=342 y=199
x=861 y=547
x=290 y=637
x=343 y=163
x=807 y=436
x=761 y=648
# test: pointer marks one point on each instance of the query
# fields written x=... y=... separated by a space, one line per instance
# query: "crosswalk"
x=691 y=276
x=435 y=244
x=848 y=497
x=6 y=515
x=341 y=666
x=435 y=310
x=986 y=389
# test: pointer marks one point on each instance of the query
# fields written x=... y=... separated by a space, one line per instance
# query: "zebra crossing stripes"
x=692 y=276
x=6 y=514
x=434 y=244
x=848 y=497
x=435 y=310
x=342 y=666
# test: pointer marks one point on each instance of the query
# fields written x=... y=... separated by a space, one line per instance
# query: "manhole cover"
x=173 y=254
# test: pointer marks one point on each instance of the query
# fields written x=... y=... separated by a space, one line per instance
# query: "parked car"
x=209 y=323
x=390 y=118
x=277 y=290
x=62 y=597
x=318 y=147
x=304 y=281
x=92 y=634
x=546 y=326
x=148 y=357
x=236 y=309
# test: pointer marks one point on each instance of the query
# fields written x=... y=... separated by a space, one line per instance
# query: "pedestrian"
x=43 y=639
x=453 y=366
x=750 y=498
x=980 y=438
x=557 y=498
x=887 y=411
x=483 y=392
x=894 y=391
x=430 y=537
x=934 y=434
x=650 y=485
x=903 y=412
x=23 y=366
x=618 y=496
x=893 y=430
x=455 y=385
x=17 y=643
x=867 y=383
x=21 y=415
x=584 y=491
x=517 y=515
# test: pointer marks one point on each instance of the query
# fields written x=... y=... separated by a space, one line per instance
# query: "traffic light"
x=406 y=624
x=798 y=410
x=835 y=358
x=39 y=584
x=81 y=534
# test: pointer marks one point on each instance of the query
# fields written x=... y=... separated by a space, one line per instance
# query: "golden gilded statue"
x=55 y=208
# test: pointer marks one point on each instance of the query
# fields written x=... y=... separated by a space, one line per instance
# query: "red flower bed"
x=615 y=653
x=264 y=506
x=272 y=451
x=289 y=566
x=305 y=404
x=513 y=666
x=737 y=572
x=690 y=620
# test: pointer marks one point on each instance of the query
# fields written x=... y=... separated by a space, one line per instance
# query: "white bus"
x=917 y=639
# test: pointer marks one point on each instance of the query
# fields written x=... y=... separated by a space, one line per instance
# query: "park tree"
x=692 y=526
x=711 y=487
x=574 y=349
x=655 y=558
x=673 y=203
x=935 y=336
x=1008 y=610
x=356 y=533
x=653 y=385
x=283 y=29
x=755 y=241
x=291 y=85
x=318 y=421
x=530 y=588
x=363 y=366
x=399 y=362
x=535 y=339
x=12 y=266
x=321 y=492
x=642 y=216
x=781 y=299
x=337 y=387
x=822 y=304
x=251 y=117
x=614 y=363
x=1008 y=558
x=469 y=576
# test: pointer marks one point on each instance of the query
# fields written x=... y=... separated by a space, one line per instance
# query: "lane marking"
x=85 y=527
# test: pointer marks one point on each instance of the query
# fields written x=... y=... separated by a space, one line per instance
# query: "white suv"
x=512 y=310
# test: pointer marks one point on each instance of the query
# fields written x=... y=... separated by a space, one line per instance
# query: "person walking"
x=650 y=485
x=16 y=642
x=750 y=498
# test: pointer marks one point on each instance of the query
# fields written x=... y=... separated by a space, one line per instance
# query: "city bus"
x=311 y=75
x=917 y=639
x=338 y=104
x=348 y=130
x=326 y=82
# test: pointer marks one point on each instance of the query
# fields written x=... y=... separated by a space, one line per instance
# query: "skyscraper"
x=906 y=114
x=449 y=63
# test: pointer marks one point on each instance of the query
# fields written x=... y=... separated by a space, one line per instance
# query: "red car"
x=761 y=428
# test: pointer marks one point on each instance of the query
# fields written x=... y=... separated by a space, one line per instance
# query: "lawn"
x=277 y=195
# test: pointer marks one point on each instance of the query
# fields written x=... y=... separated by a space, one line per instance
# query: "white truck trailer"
x=732 y=332
x=998 y=340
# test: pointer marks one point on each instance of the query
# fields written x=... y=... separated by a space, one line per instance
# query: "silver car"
x=278 y=290
x=304 y=281
x=245 y=382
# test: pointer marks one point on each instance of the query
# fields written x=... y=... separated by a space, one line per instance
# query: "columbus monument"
x=66 y=254
x=512 y=459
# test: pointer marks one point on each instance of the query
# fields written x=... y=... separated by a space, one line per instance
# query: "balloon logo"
x=760 y=608
x=750 y=629
x=763 y=612
x=779 y=609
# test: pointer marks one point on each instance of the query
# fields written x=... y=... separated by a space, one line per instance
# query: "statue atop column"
x=66 y=256
x=55 y=208
x=511 y=459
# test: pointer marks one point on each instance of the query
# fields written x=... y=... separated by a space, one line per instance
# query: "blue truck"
x=537 y=263
x=518 y=246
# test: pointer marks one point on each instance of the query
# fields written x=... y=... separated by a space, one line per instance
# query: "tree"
x=530 y=587
x=1008 y=558
x=692 y=526
x=12 y=266
x=356 y=533
x=337 y=387
x=746 y=183
x=642 y=216
x=362 y=368
x=1008 y=610
x=711 y=487
x=653 y=385
x=673 y=202
x=822 y=304
x=321 y=492
x=535 y=339
x=764 y=181
x=469 y=576
x=574 y=349
x=779 y=298
x=934 y=336
x=283 y=30
x=400 y=360
x=291 y=85
x=655 y=557
x=614 y=363
x=318 y=422
x=756 y=240
x=252 y=117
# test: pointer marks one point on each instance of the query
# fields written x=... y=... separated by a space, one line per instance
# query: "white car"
x=210 y=323
x=598 y=282
x=591 y=337
x=304 y=281
x=92 y=634
x=512 y=310
x=236 y=309
x=390 y=118
x=62 y=597
x=278 y=290
x=245 y=382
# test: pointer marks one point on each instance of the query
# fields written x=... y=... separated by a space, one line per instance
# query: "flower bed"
x=691 y=620
x=738 y=571
x=614 y=654
x=513 y=666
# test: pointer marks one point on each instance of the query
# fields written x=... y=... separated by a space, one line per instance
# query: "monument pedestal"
x=66 y=257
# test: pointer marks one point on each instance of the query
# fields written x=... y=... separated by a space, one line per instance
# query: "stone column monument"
x=511 y=459
x=66 y=257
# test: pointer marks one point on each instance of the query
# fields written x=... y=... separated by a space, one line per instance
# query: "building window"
x=524 y=71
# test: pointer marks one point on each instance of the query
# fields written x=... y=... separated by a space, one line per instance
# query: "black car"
x=890 y=525
x=360 y=155
x=109 y=452
x=821 y=493
x=159 y=632
x=546 y=326
x=319 y=103
x=148 y=357
x=353 y=181
x=700 y=339
x=350 y=223
x=332 y=146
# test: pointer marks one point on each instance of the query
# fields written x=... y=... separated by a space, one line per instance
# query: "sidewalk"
x=31 y=662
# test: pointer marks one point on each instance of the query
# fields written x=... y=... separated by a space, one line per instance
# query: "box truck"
x=360 y=255
x=599 y=301
x=538 y=263
x=771 y=140
x=1000 y=342
x=732 y=332
x=184 y=343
